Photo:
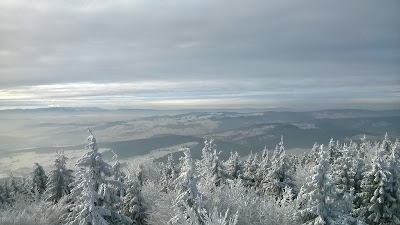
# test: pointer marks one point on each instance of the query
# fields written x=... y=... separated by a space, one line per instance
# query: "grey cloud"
x=307 y=43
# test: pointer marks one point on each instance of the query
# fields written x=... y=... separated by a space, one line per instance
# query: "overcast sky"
x=200 y=53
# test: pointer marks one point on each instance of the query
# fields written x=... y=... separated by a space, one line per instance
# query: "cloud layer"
x=166 y=53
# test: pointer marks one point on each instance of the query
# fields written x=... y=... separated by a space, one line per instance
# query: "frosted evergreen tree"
x=380 y=202
x=60 y=179
x=13 y=188
x=366 y=193
x=265 y=154
x=93 y=161
x=338 y=145
x=344 y=171
x=386 y=146
x=86 y=209
x=287 y=197
x=233 y=166
x=305 y=159
x=361 y=167
x=318 y=201
x=396 y=148
x=93 y=197
x=277 y=152
x=5 y=193
x=210 y=167
x=353 y=148
x=4 y=200
x=333 y=150
x=262 y=171
x=190 y=202
x=250 y=170
x=315 y=150
x=280 y=173
x=359 y=170
x=264 y=164
x=394 y=187
x=118 y=177
x=140 y=175
x=217 y=170
x=314 y=154
x=168 y=173
x=206 y=156
x=314 y=194
x=38 y=180
x=133 y=203
x=364 y=146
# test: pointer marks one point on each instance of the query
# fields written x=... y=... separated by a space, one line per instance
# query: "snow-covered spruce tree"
x=60 y=179
x=206 y=156
x=277 y=152
x=364 y=146
x=233 y=166
x=38 y=181
x=360 y=168
x=394 y=186
x=3 y=196
x=366 y=191
x=168 y=173
x=315 y=151
x=396 y=148
x=92 y=199
x=280 y=173
x=16 y=189
x=210 y=167
x=306 y=162
x=119 y=177
x=86 y=208
x=140 y=175
x=12 y=188
x=333 y=151
x=190 y=202
x=353 y=148
x=263 y=168
x=287 y=197
x=6 y=192
x=250 y=170
x=386 y=147
x=344 y=172
x=265 y=154
x=380 y=201
x=133 y=203
x=285 y=208
x=317 y=200
x=309 y=158
x=362 y=159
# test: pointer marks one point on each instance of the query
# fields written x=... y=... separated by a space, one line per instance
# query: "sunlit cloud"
x=195 y=94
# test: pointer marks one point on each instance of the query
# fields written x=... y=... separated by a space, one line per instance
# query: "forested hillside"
x=339 y=183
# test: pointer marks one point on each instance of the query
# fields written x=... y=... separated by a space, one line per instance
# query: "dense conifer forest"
x=340 y=183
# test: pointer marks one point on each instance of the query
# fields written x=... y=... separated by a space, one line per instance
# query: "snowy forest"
x=339 y=183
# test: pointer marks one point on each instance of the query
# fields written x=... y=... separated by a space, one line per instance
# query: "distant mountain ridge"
x=56 y=109
x=270 y=111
